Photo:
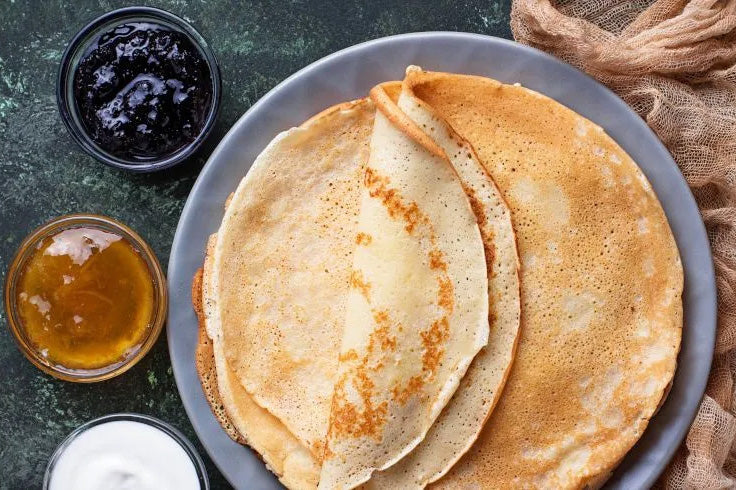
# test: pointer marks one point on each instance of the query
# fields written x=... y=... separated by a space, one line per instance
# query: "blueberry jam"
x=143 y=91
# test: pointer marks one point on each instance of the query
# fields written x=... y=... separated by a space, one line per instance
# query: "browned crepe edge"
x=342 y=106
x=384 y=96
x=204 y=361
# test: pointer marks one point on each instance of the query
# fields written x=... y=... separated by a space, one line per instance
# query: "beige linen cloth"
x=674 y=62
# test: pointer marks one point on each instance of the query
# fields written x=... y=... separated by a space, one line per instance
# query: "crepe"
x=461 y=421
x=601 y=288
x=417 y=308
x=283 y=453
x=303 y=189
x=284 y=246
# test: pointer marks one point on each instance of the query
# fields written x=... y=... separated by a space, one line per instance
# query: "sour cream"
x=123 y=455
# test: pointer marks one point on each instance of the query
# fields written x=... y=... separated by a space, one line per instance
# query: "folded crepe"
x=342 y=172
x=417 y=308
x=460 y=423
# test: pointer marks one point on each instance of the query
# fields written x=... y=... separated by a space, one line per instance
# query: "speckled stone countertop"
x=44 y=174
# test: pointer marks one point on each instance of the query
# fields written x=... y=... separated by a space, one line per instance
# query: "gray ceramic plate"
x=349 y=74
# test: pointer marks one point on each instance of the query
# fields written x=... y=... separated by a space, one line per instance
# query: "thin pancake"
x=204 y=355
x=500 y=346
x=282 y=452
x=286 y=240
x=462 y=419
x=417 y=309
x=601 y=288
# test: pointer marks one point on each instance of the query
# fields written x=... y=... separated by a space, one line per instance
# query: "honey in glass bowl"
x=85 y=298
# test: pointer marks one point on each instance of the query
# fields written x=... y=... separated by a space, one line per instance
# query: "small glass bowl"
x=72 y=56
x=15 y=322
x=204 y=482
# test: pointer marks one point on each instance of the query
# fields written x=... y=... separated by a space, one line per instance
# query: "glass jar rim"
x=15 y=323
x=149 y=420
x=67 y=106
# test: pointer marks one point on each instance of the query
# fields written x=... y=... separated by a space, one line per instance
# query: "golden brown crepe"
x=284 y=454
x=601 y=288
x=284 y=246
x=333 y=148
x=204 y=358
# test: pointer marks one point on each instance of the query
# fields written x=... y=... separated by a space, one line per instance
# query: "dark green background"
x=43 y=173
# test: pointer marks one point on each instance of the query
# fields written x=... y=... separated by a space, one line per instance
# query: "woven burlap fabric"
x=674 y=62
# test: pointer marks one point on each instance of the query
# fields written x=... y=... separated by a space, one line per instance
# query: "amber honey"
x=85 y=298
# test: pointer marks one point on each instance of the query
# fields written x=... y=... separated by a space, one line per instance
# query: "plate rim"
x=708 y=282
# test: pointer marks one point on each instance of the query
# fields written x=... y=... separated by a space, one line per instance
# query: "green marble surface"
x=44 y=174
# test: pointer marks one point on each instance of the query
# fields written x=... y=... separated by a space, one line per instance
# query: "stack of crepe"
x=452 y=282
